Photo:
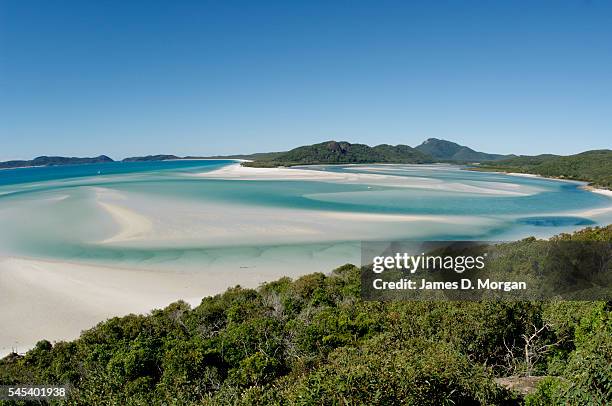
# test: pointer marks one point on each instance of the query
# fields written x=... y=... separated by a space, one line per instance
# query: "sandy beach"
x=240 y=172
x=168 y=222
x=604 y=192
x=56 y=300
x=233 y=243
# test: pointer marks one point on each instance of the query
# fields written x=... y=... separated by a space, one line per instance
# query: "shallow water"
x=55 y=212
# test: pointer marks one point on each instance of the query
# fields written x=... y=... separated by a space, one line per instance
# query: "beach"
x=56 y=300
x=239 y=172
x=132 y=246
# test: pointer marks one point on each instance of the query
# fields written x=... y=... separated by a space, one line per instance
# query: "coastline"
x=239 y=172
x=62 y=298
x=600 y=191
x=57 y=299
x=34 y=304
x=584 y=184
x=24 y=167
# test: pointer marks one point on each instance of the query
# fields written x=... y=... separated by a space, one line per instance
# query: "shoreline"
x=239 y=172
x=34 y=305
x=597 y=190
x=25 y=167
x=198 y=159
x=56 y=300
x=585 y=185
x=138 y=222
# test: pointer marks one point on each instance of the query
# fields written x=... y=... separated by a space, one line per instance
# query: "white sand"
x=604 y=192
x=533 y=175
x=57 y=300
x=524 y=175
x=133 y=225
x=239 y=172
x=167 y=222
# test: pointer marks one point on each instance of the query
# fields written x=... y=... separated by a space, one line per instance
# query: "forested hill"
x=151 y=158
x=590 y=166
x=333 y=152
x=594 y=167
x=450 y=151
x=314 y=341
x=148 y=158
x=54 y=161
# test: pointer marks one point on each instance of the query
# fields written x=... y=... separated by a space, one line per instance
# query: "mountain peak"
x=448 y=150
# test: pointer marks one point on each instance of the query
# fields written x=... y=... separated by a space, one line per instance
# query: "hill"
x=150 y=158
x=450 y=151
x=333 y=152
x=54 y=161
x=594 y=166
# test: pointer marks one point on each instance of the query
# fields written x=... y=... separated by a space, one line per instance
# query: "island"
x=54 y=161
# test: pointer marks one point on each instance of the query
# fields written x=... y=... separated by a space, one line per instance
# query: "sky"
x=125 y=78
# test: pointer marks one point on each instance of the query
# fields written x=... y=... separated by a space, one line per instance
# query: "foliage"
x=332 y=152
x=450 y=151
x=590 y=166
x=54 y=161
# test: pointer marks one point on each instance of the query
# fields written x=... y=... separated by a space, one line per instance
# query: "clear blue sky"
x=140 y=77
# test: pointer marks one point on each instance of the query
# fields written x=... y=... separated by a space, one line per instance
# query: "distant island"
x=151 y=158
x=594 y=166
x=60 y=160
x=333 y=152
x=54 y=161
x=432 y=150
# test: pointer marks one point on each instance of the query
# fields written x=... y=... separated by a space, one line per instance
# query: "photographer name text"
x=463 y=284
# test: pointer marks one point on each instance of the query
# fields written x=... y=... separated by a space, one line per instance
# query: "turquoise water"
x=53 y=212
x=38 y=174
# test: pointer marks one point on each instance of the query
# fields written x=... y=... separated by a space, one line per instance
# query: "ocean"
x=170 y=215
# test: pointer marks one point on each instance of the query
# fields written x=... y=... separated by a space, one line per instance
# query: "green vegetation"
x=590 y=166
x=162 y=158
x=151 y=158
x=54 y=161
x=313 y=341
x=332 y=152
x=594 y=167
x=449 y=151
